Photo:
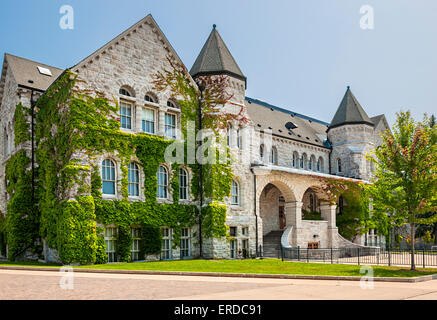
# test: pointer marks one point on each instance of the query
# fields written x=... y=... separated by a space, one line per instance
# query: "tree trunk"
x=413 y=242
x=435 y=234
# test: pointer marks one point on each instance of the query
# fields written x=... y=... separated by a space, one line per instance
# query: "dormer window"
x=149 y=99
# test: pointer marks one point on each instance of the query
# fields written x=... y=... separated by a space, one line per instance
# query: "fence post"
x=308 y=255
x=282 y=253
x=423 y=251
x=332 y=258
x=358 y=255
x=298 y=253
x=261 y=251
x=389 y=256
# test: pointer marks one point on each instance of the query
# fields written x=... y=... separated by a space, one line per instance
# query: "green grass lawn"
x=266 y=266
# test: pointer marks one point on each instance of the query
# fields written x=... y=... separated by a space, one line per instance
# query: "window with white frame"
x=245 y=248
x=166 y=244
x=245 y=231
x=149 y=98
x=133 y=180
x=148 y=120
x=108 y=177
x=171 y=104
x=162 y=183
x=110 y=243
x=234 y=248
x=125 y=115
x=170 y=125
x=135 y=248
x=183 y=184
x=124 y=92
x=235 y=193
x=239 y=139
x=185 y=243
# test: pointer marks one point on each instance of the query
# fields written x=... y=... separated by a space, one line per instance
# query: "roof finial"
x=348 y=87
x=214 y=26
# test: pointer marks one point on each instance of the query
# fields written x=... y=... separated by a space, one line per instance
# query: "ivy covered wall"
x=73 y=129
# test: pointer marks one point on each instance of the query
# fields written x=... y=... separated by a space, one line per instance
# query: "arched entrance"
x=272 y=209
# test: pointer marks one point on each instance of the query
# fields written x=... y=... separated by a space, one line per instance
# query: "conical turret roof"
x=350 y=112
x=215 y=58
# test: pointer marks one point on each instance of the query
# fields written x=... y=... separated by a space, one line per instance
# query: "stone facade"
x=264 y=186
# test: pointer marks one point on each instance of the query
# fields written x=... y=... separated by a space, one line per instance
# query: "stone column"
x=329 y=214
x=293 y=217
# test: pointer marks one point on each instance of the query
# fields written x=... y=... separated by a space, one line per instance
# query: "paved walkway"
x=46 y=285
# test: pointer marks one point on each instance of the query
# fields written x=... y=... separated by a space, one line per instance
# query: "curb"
x=229 y=275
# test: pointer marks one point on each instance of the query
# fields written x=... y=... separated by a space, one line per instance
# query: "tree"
x=404 y=189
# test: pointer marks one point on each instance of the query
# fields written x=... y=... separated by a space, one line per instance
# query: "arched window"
x=133 y=180
x=274 y=156
x=162 y=183
x=310 y=164
x=295 y=160
x=303 y=161
x=183 y=184
x=149 y=98
x=320 y=165
x=339 y=165
x=261 y=153
x=171 y=104
x=235 y=193
x=108 y=177
x=125 y=92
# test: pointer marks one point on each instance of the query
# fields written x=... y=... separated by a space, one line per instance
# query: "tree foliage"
x=404 y=189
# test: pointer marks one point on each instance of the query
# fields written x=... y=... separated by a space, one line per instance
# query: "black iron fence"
x=357 y=255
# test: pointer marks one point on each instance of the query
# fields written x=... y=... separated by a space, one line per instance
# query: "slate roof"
x=26 y=72
x=266 y=116
x=350 y=112
x=215 y=58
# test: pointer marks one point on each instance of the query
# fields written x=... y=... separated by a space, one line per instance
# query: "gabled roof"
x=27 y=74
x=146 y=20
x=265 y=116
x=215 y=58
x=350 y=112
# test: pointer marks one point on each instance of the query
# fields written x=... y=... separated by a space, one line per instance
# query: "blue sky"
x=299 y=55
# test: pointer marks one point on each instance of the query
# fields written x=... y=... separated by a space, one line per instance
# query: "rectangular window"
x=245 y=231
x=170 y=125
x=233 y=231
x=148 y=121
x=135 y=248
x=234 y=249
x=110 y=243
x=245 y=248
x=126 y=115
x=166 y=244
x=185 y=243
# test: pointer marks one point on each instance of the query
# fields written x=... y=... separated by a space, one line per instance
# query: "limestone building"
x=282 y=156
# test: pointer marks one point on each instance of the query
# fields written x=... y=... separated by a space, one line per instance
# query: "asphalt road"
x=42 y=285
